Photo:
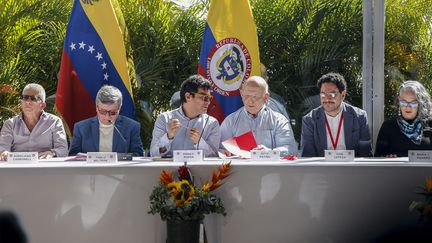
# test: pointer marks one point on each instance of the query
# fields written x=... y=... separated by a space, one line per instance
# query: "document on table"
x=241 y=145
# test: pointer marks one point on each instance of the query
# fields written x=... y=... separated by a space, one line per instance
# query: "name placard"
x=420 y=155
x=102 y=157
x=22 y=157
x=187 y=155
x=265 y=155
x=339 y=155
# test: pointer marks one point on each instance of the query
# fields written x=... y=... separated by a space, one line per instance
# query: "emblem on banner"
x=228 y=65
x=89 y=1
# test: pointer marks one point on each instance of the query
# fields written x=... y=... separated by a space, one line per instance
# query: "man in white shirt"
x=335 y=125
x=187 y=127
x=271 y=129
x=33 y=129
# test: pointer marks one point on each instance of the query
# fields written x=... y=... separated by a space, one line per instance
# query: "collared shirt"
x=106 y=133
x=334 y=125
x=269 y=128
x=207 y=125
x=47 y=135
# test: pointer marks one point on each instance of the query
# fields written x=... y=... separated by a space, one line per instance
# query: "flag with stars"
x=93 y=55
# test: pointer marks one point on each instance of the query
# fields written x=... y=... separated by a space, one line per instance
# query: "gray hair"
x=258 y=82
x=40 y=91
x=109 y=95
x=423 y=98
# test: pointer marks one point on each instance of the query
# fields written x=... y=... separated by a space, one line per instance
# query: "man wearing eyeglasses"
x=335 y=125
x=271 y=129
x=108 y=131
x=187 y=127
x=33 y=130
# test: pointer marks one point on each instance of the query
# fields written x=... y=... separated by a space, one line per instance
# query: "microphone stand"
x=122 y=156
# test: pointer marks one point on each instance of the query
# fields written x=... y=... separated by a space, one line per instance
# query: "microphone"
x=205 y=124
x=122 y=156
x=271 y=129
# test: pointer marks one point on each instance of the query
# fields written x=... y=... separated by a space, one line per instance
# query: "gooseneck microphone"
x=205 y=125
x=125 y=155
x=271 y=128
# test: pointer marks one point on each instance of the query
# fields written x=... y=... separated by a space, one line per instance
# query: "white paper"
x=419 y=155
x=339 y=155
x=102 y=157
x=22 y=157
x=187 y=155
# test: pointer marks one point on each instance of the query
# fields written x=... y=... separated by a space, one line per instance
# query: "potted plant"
x=424 y=207
x=184 y=205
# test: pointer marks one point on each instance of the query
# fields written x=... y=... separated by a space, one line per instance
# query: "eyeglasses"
x=252 y=97
x=204 y=97
x=330 y=95
x=30 y=97
x=105 y=112
x=413 y=104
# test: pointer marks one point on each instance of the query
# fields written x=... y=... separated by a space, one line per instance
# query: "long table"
x=306 y=200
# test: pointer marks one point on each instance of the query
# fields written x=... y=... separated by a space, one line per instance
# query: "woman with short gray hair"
x=411 y=130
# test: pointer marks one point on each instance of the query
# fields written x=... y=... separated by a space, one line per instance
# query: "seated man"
x=271 y=129
x=33 y=130
x=335 y=124
x=187 y=127
x=108 y=131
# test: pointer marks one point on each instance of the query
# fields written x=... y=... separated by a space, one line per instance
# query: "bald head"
x=256 y=81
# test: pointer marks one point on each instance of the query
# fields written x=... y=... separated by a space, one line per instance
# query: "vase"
x=183 y=231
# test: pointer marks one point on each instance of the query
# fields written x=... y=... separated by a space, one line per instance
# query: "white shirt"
x=105 y=137
x=334 y=125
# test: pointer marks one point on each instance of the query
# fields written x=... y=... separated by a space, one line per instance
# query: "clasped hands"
x=175 y=124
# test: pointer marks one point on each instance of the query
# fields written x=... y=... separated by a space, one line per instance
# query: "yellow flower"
x=185 y=193
x=174 y=188
x=205 y=187
x=429 y=184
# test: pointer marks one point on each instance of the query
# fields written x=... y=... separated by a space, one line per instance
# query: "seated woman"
x=411 y=130
x=33 y=130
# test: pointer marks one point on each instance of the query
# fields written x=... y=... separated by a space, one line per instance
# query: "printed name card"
x=187 y=155
x=420 y=155
x=339 y=155
x=22 y=157
x=101 y=157
x=265 y=155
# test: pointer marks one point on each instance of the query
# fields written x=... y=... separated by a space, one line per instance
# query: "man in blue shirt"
x=271 y=129
x=187 y=127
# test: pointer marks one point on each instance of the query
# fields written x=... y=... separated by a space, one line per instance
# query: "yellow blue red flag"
x=229 y=53
x=93 y=55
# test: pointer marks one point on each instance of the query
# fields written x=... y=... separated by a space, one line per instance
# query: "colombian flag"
x=94 y=54
x=229 y=53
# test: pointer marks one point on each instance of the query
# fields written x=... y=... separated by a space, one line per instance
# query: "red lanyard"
x=334 y=143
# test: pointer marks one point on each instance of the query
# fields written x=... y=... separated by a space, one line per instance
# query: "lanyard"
x=334 y=143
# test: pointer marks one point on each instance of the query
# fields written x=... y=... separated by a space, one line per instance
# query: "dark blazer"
x=357 y=134
x=86 y=137
x=391 y=140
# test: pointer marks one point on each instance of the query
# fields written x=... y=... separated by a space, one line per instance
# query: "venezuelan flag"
x=94 y=54
x=229 y=53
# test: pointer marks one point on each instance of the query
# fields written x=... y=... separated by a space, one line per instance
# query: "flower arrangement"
x=424 y=207
x=181 y=200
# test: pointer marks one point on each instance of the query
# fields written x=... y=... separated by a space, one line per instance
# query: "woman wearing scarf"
x=411 y=130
